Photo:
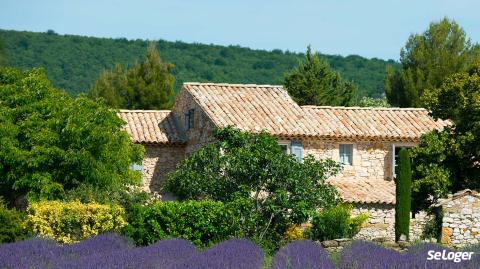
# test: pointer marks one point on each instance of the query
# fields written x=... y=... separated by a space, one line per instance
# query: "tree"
x=51 y=144
x=427 y=59
x=403 y=187
x=448 y=160
x=313 y=83
x=373 y=102
x=3 y=54
x=148 y=85
x=268 y=188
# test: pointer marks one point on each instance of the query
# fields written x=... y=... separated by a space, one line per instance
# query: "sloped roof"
x=251 y=107
x=362 y=191
x=386 y=124
x=151 y=126
x=457 y=195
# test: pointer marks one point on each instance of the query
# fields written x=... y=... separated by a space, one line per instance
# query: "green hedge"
x=12 y=226
x=335 y=223
x=202 y=222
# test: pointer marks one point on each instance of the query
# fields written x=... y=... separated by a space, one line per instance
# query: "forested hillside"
x=73 y=62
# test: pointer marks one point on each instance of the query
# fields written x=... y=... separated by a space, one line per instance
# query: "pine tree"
x=314 y=83
x=403 y=195
x=146 y=85
x=427 y=59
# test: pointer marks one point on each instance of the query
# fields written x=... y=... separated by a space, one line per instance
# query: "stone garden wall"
x=461 y=219
x=380 y=224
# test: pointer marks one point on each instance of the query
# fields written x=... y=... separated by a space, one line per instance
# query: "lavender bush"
x=304 y=254
x=234 y=253
x=366 y=255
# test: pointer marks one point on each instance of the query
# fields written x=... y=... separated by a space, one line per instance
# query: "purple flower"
x=234 y=253
x=301 y=255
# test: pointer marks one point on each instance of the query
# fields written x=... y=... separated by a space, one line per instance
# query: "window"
x=285 y=146
x=137 y=167
x=346 y=154
x=396 y=151
x=296 y=149
x=189 y=119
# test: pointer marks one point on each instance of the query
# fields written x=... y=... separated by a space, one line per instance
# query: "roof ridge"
x=234 y=84
x=365 y=108
x=147 y=110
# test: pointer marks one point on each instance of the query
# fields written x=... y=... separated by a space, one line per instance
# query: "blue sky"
x=370 y=28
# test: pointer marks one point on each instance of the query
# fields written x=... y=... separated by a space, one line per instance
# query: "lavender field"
x=114 y=251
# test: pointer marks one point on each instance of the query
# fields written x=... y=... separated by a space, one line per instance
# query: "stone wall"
x=461 y=221
x=370 y=160
x=158 y=162
x=381 y=222
x=202 y=133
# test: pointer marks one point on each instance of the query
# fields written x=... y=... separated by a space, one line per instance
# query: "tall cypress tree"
x=403 y=195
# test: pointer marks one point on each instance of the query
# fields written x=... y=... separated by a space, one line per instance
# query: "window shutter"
x=296 y=149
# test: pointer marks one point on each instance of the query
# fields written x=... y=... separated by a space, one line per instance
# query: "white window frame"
x=394 y=163
x=340 y=154
x=285 y=143
x=137 y=167
x=288 y=144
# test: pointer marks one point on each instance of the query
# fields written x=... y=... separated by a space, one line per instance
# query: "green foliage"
x=334 y=223
x=69 y=222
x=148 y=85
x=266 y=187
x=448 y=161
x=73 y=63
x=373 y=102
x=3 y=54
x=11 y=224
x=202 y=222
x=433 y=228
x=427 y=59
x=313 y=83
x=51 y=143
x=403 y=194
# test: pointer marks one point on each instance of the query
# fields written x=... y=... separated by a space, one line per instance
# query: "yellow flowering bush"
x=69 y=222
x=294 y=233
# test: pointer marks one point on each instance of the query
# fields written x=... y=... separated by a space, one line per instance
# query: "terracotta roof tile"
x=249 y=107
x=391 y=124
x=151 y=126
x=362 y=191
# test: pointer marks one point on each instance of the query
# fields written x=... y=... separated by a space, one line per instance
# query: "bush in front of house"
x=268 y=189
x=202 y=222
x=11 y=224
x=334 y=223
x=69 y=222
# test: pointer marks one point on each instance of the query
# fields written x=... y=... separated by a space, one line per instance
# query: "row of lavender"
x=113 y=251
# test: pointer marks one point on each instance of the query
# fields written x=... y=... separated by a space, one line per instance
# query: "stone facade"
x=371 y=160
x=158 y=162
x=202 y=133
x=381 y=222
x=461 y=219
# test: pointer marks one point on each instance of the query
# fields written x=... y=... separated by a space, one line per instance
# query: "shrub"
x=235 y=253
x=302 y=254
x=293 y=233
x=11 y=224
x=335 y=223
x=69 y=222
x=366 y=255
x=403 y=195
x=202 y=222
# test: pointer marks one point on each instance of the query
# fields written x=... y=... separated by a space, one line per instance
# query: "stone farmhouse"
x=365 y=140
